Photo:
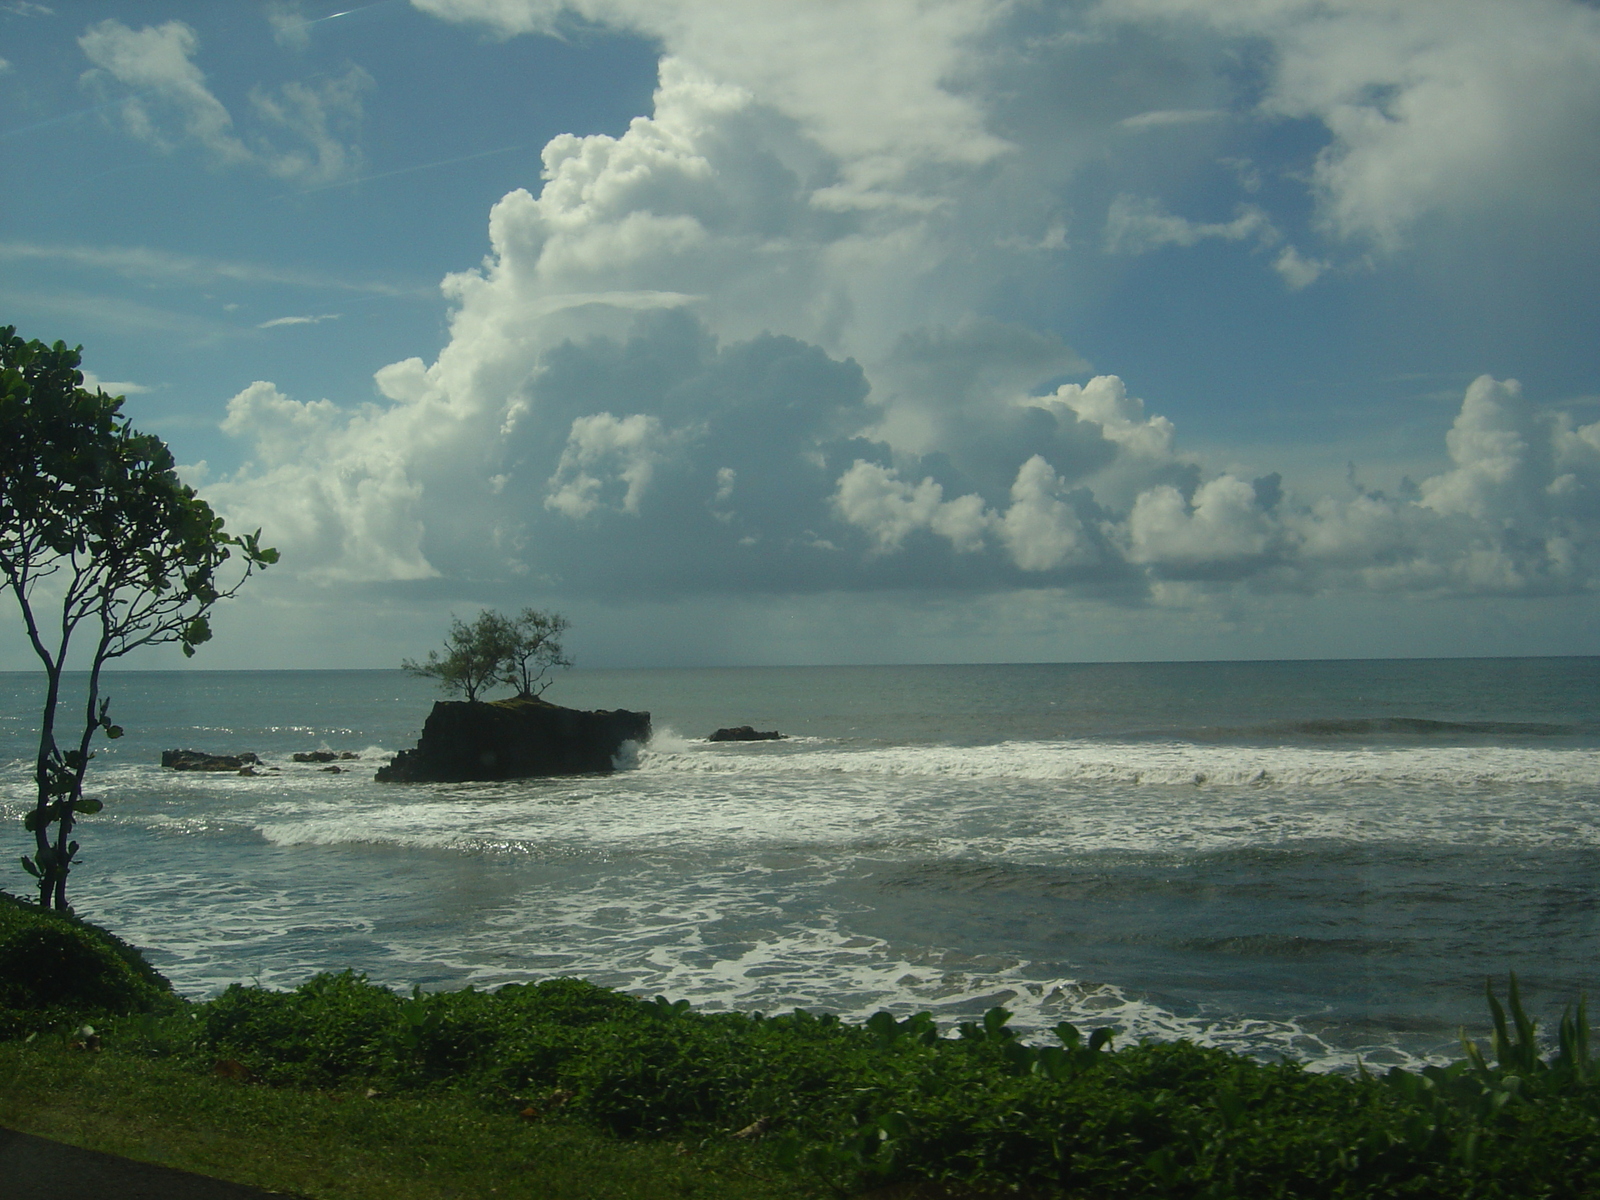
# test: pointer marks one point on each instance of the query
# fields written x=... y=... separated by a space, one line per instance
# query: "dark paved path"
x=34 y=1168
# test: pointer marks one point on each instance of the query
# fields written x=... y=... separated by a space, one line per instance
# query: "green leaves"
x=917 y=1028
x=195 y=633
x=519 y=651
x=44 y=816
x=1572 y=1041
x=91 y=503
x=254 y=551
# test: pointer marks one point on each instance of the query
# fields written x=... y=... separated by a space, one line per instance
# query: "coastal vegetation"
x=566 y=1088
x=493 y=649
x=98 y=535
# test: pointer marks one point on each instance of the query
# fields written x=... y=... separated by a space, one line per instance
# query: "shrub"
x=56 y=968
x=887 y=1101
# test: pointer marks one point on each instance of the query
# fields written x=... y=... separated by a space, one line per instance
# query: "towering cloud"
x=742 y=347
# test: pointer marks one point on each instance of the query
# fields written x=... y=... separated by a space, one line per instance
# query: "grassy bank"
x=340 y=1144
x=565 y=1088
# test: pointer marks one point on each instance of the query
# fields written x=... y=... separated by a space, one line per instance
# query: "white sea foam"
x=1159 y=763
x=709 y=945
x=724 y=948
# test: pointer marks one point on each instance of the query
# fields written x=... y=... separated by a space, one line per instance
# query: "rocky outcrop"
x=514 y=739
x=323 y=756
x=199 y=760
x=744 y=733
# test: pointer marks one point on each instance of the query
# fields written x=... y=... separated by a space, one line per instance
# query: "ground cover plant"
x=807 y=1103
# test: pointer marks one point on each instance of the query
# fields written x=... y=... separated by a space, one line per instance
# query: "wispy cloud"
x=86 y=309
x=58 y=119
x=25 y=8
x=140 y=262
x=276 y=321
x=292 y=28
x=1137 y=225
x=443 y=162
x=1171 y=116
x=112 y=387
x=168 y=103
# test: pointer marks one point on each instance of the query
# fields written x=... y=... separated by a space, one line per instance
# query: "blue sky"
x=975 y=330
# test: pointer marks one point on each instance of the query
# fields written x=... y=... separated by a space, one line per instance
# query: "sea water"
x=1320 y=860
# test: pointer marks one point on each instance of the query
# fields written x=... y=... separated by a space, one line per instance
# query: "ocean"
x=1316 y=860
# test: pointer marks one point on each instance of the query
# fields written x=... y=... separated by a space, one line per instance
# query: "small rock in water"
x=744 y=733
x=315 y=756
x=199 y=760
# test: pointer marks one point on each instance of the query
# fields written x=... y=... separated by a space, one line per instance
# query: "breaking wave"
x=1157 y=763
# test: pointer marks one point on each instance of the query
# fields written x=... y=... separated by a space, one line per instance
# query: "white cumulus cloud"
x=329 y=485
x=1041 y=530
x=873 y=498
x=601 y=445
x=738 y=349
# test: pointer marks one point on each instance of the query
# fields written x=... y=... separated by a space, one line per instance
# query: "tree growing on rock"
x=97 y=536
x=474 y=656
x=493 y=649
x=535 y=650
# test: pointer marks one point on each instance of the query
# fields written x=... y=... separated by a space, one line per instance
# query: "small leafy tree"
x=492 y=649
x=474 y=656
x=535 y=650
x=97 y=534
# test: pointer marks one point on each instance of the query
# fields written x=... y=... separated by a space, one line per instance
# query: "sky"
x=841 y=331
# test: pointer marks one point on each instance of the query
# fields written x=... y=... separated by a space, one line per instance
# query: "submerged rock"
x=514 y=739
x=744 y=733
x=199 y=760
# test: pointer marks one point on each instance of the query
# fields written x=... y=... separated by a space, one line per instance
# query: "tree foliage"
x=534 y=650
x=97 y=535
x=473 y=659
x=494 y=649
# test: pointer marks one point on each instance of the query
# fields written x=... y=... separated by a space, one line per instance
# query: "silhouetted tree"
x=474 y=656
x=517 y=651
x=535 y=650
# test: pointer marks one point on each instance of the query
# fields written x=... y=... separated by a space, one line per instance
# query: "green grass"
x=342 y=1145
x=344 y=1088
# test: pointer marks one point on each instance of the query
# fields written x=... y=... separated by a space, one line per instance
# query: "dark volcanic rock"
x=744 y=733
x=199 y=760
x=309 y=756
x=514 y=739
